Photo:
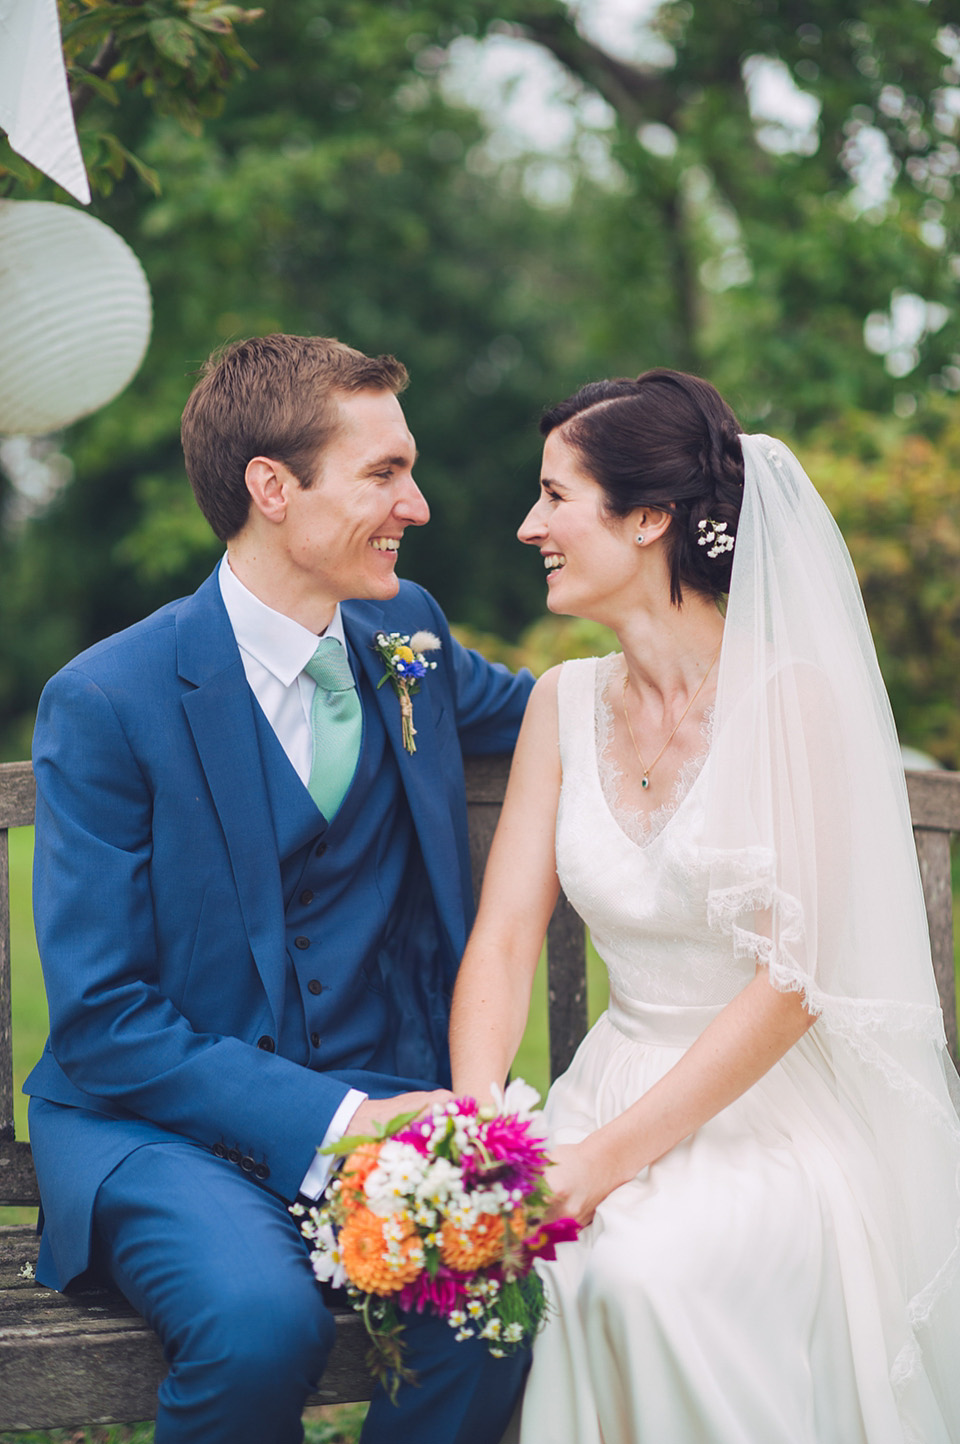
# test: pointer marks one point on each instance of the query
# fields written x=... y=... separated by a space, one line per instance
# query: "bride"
x=758 y=1135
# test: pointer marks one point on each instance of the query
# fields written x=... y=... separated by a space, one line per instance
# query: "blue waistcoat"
x=365 y=987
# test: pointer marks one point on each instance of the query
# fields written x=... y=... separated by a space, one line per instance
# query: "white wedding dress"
x=737 y=1291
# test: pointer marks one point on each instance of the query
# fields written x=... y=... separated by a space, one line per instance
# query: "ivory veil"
x=813 y=871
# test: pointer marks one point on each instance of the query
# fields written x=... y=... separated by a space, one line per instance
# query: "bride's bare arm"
x=520 y=888
x=753 y=1032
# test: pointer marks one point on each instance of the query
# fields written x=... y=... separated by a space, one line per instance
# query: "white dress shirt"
x=274 y=650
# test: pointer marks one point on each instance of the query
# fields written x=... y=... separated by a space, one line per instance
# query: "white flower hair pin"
x=405 y=667
x=714 y=534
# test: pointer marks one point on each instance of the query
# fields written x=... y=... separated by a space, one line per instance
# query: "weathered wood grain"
x=934 y=800
x=18 y=1181
x=18 y=794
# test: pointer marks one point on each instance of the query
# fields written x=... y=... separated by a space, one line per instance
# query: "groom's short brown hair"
x=271 y=396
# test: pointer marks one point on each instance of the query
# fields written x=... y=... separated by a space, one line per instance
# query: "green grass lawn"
x=29 y=1001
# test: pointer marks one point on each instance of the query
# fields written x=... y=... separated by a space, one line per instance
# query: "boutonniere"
x=405 y=666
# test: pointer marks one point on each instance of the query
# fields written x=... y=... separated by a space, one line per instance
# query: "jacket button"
x=234 y=1155
x=320 y=849
x=315 y=1040
x=301 y=942
x=267 y=1044
x=247 y=1163
x=315 y=987
x=306 y=897
x=219 y=1150
x=261 y=1171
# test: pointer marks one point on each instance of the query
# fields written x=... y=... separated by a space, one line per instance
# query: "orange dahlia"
x=466 y=1249
x=373 y=1264
x=358 y=1166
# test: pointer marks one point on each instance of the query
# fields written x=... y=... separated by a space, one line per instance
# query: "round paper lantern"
x=74 y=316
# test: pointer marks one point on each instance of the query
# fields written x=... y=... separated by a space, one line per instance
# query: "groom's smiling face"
x=342 y=534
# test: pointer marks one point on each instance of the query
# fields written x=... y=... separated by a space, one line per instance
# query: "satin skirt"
x=735 y=1292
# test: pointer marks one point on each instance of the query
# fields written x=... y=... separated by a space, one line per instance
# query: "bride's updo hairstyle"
x=666 y=440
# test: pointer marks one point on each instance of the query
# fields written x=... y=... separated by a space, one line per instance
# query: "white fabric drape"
x=35 y=108
x=813 y=871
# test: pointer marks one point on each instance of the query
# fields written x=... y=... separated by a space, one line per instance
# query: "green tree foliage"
x=332 y=195
x=769 y=252
x=896 y=500
x=334 y=187
x=178 y=56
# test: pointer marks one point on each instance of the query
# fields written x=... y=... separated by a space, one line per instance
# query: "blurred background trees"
x=759 y=191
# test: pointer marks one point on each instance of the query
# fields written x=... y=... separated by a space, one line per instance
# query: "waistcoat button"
x=267 y=1044
x=315 y=1040
x=301 y=943
x=315 y=987
x=320 y=849
x=306 y=897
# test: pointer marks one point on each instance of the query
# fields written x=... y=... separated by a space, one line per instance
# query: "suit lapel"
x=221 y=718
x=423 y=777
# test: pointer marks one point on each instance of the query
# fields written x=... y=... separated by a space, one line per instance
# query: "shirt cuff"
x=316 y=1177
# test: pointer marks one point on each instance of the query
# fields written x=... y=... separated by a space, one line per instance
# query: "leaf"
x=16 y=166
x=146 y=173
x=81 y=76
x=119 y=157
x=174 y=39
x=384 y=1130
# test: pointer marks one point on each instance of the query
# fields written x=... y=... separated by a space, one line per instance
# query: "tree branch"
x=100 y=66
x=638 y=94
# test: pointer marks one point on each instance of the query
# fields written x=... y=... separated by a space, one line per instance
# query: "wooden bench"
x=88 y=1358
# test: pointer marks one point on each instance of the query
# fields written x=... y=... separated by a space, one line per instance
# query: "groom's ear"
x=268 y=483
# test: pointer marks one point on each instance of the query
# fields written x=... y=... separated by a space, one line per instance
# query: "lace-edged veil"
x=813 y=871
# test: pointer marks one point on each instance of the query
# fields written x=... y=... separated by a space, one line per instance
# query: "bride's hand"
x=577 y=1184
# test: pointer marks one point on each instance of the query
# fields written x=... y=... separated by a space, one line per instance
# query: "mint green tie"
x=336 y=724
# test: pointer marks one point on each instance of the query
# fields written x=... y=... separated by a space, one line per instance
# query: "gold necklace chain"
x=645 y=779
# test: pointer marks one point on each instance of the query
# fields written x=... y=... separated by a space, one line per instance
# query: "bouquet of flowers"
x=443 y=1214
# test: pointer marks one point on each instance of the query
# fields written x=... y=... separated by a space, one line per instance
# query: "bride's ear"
x=649 y=524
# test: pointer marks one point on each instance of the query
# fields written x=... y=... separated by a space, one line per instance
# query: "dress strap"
x=576 y=705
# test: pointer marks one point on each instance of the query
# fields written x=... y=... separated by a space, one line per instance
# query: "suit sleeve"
x=114 y=1034
x=488 y=697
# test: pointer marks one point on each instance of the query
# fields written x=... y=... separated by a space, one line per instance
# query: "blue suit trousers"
x=218 y=1268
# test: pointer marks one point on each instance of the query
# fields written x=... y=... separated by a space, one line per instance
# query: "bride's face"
x=589 y=556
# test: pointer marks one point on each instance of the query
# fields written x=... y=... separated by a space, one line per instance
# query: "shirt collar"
x=276 y=641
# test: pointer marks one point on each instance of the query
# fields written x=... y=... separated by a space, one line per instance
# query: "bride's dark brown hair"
x=666 y=440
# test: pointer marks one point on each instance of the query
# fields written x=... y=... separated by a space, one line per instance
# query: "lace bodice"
x=641 y=827
x=637 y=880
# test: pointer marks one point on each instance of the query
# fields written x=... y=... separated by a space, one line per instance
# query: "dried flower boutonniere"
x=405 y=665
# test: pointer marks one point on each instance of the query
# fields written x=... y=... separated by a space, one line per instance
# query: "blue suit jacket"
x=158 y=902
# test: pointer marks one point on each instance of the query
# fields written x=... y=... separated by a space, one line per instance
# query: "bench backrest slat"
x=935 y=811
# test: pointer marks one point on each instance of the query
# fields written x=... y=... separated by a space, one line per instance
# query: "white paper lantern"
x=75 y=316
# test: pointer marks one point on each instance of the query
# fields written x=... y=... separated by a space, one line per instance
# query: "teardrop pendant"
x=644 y=783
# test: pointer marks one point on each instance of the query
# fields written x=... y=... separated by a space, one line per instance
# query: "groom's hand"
x=380 y=1110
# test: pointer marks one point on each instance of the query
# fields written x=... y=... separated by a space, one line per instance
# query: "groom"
x=250 y=901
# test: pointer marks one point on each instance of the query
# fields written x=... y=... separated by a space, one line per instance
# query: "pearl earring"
x=640 y=539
